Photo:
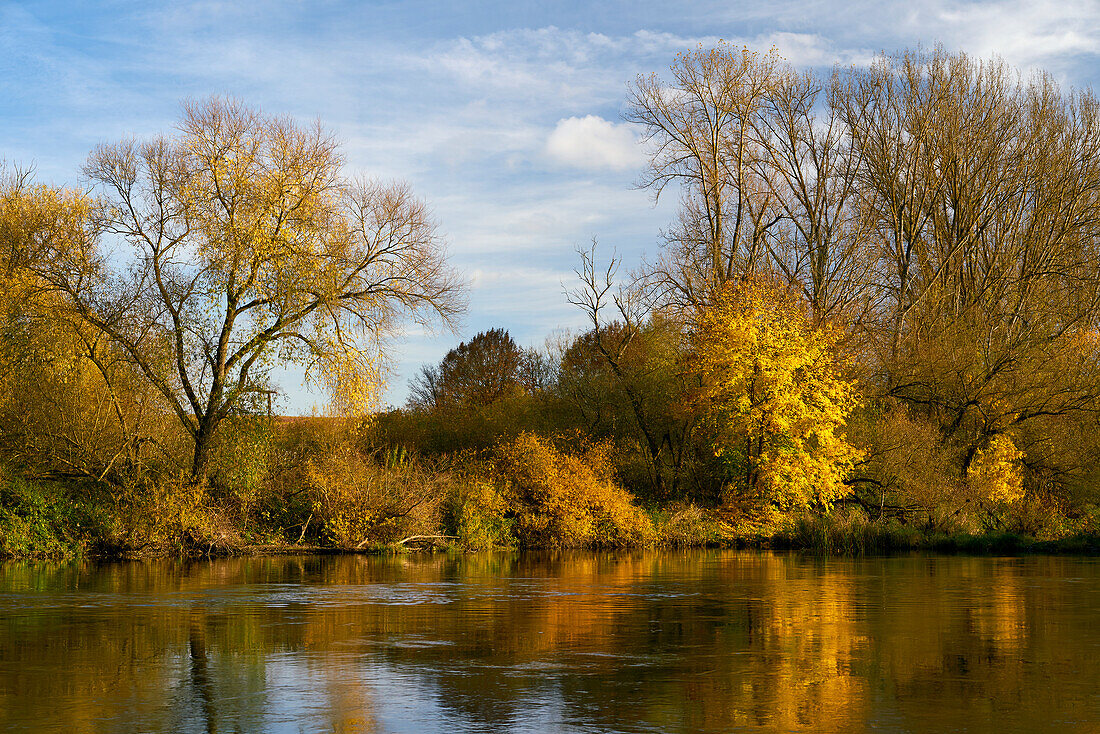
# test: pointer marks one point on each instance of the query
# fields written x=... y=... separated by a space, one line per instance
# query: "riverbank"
x=65 y=520
x=323 y=490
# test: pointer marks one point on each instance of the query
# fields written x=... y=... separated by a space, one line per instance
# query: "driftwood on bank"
x=414 y=539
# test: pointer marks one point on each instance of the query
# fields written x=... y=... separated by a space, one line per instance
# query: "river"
x=649 y=641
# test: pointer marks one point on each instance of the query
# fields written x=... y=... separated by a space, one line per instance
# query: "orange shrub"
x=567 y=500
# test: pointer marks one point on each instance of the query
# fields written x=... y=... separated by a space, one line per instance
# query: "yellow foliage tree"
x=773 y=393
x=249 y=246
x=69 y=401
x=995 y=472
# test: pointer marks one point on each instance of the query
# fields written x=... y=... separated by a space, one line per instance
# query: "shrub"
x=846 y=531
x=168 y=514
x=356 y=500
x=243 y=456
x=38 y=519
x=567 y=500
x=477 y=514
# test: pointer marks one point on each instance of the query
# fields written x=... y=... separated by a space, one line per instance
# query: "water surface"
x=694 y=641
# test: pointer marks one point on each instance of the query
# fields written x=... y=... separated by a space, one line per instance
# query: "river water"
x=656 y=641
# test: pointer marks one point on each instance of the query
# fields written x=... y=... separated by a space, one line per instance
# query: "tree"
x=943 y=210
x=249 y=246
x=984 y=197
x=68 y=404
x=773 y=395
x=708 y=135
x=629 y=360
x=767 y=175
x=481 y=371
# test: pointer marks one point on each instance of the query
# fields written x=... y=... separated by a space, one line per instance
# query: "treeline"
x=876 y=309
x=881 y=291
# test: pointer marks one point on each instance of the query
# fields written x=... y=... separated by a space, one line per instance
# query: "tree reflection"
x=691 y=641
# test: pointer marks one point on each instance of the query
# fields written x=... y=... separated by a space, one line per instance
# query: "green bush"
x=243 y=457
x=48 y=518
x=477 y=514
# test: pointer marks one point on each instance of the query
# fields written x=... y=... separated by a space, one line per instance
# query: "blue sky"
x=504 y=116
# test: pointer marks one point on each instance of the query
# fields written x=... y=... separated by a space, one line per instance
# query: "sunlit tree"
x=774 y=395
x=247 y=245
x=70 y=404
x=483 y=370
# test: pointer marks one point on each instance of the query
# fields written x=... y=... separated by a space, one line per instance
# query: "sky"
x=504 y=116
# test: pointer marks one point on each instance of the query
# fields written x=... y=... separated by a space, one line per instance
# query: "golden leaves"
x=995 y=472
x=566 y=499
x=771 y=388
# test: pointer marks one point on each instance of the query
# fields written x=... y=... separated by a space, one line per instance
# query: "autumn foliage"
x=771 y=388
x=568 y=500
x=878 y=307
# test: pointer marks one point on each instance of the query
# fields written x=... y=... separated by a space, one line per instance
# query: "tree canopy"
x=247 y=245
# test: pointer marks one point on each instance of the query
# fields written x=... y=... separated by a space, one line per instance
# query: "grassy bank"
x=855 y=535
x=66 y=519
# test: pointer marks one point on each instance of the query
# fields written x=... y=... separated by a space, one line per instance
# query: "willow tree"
x=249 y=246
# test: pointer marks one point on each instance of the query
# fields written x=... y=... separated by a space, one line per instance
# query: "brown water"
x=697 y=641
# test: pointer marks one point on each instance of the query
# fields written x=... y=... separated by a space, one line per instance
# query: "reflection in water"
x=709 y=641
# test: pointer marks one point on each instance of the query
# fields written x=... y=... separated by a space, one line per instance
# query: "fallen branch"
x=425 y=537
x=412 y=538
x=306 y=525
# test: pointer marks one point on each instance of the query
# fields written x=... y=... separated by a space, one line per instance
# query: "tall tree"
x=707 y=134
x=249 y=246
x=984 y=193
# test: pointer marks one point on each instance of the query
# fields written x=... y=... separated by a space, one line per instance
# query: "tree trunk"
x=200 y=464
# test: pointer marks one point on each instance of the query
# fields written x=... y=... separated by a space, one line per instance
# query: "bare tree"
x=705 y=128
x=984 y=194
x=630 y=340
x=820 y=244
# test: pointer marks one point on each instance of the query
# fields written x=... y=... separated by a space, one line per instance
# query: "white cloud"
x=593 y=143
x=807 y=49
x=1026 y=33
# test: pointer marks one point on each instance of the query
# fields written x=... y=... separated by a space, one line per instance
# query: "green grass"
x=846 y=535
x=854 y=534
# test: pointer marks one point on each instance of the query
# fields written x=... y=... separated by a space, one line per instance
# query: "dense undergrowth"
x=313 y=484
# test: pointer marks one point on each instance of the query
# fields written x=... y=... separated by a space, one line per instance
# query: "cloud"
x=1026 y=33
x=509 y=132
x=593 y=143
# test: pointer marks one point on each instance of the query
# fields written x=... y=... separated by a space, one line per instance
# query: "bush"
x=243 y=456
x=477 y=515
x=357 y=500
x=35 y=520
x=563 y=500
x=168 y=514
x=50 y=518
